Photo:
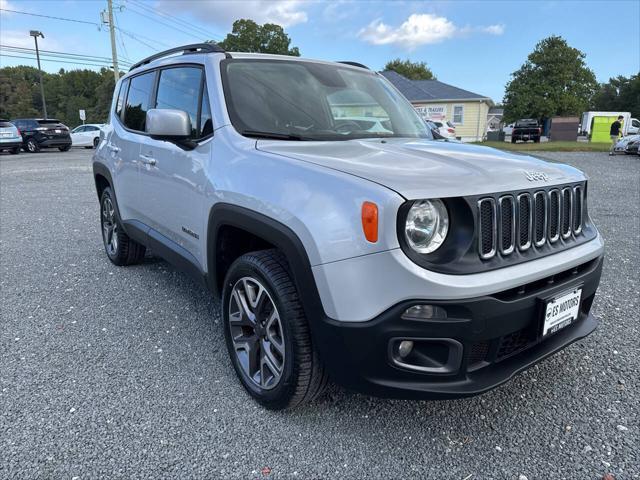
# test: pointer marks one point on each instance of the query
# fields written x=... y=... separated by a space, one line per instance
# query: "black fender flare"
x=277 y=234
x=101 y=169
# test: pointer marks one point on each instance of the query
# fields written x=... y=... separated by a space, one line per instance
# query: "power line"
x=164 y=23
x=56 y=60
x=126 y=32
x=49 y=16
x=179 y=21
x=124 y=48
x=135 y=37
x=53 y=53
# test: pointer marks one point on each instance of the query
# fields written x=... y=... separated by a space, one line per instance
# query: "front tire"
x=267 y=333
x=66 y=148
x=120 y=249
x=96 y=141
x=32 y=146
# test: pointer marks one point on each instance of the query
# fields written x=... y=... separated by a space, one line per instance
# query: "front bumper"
x=497 y=336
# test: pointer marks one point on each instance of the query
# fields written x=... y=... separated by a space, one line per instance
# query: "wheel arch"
x=269 y=233
x=102 y=178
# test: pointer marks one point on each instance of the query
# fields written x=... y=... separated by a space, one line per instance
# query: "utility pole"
x=35 y=34
x=112 y=31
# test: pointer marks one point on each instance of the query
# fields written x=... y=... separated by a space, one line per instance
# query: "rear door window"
x=138 y=100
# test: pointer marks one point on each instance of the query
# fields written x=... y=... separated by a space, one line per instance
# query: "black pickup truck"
x=526 y=129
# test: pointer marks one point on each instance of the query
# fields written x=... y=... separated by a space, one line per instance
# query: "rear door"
x=172 y=178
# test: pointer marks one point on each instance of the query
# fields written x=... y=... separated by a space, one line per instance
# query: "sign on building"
x=432 y=112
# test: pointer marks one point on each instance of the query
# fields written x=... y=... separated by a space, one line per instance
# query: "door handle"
x=147 y=160
x=113 y=148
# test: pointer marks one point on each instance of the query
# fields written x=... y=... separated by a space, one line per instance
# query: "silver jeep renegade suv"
x=396 y=264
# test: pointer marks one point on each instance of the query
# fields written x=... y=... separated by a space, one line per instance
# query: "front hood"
x=428 y=169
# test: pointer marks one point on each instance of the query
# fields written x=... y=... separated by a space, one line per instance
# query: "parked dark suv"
x=40 y=133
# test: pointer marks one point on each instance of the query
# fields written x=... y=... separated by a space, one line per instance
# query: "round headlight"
x=426 y=226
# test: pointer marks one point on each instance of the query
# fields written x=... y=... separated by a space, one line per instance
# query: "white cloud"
x=497 y=29
x=419 y=29
x=223 y=13
x=7 y=5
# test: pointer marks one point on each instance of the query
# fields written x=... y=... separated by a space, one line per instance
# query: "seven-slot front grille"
x=520 y=221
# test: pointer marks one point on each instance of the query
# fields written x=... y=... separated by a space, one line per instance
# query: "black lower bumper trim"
x=500 y=334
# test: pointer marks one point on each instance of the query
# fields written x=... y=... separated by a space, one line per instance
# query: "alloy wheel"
x=257 y=333
x=109 y=227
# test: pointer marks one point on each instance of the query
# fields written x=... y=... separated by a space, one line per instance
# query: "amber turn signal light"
x=370 y=221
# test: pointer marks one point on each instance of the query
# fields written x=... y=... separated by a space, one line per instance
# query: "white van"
x=630 y=126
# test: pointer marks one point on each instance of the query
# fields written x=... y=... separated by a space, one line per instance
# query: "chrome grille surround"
x=540 y=201
x=567 y=210
x=555 y=215
x=510 y=229
x=578 y=200
x=537 y=218
x=484 y=229
x=525 y=221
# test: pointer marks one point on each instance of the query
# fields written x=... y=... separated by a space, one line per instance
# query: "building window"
x=458 y=114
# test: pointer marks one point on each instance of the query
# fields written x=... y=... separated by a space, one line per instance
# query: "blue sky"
x=472 y=45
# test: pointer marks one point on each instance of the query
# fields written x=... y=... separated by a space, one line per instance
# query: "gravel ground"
x=122 y=372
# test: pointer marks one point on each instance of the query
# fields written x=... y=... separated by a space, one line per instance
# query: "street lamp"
x=35 y=34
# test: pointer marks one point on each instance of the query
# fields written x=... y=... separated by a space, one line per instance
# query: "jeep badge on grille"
x=536 y=176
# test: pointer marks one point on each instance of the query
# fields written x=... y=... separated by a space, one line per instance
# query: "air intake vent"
x=554 y=216
x=577 y=209
x=487 y=222
x=540 y=215
x=524 y=221
x=567 y=207
x=507 y=224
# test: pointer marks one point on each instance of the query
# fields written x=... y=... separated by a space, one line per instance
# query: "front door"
x=172 y=178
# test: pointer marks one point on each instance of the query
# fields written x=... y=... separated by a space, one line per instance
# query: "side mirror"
x=168 y=124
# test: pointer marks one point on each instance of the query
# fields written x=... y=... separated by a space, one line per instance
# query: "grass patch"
x=549 y=146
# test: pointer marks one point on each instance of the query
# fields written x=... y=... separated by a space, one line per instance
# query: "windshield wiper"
x=274 y=135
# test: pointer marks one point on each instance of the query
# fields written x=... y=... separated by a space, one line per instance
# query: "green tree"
x=619 y=94
x=66 y=92
x=554 y=80
x=248 y=36
x=410 y=70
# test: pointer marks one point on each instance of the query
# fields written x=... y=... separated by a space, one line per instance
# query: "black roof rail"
x=185 y=49
x=355 y=64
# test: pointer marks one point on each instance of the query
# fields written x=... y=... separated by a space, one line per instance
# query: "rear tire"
x=66 y=148
x=120 y=249
x=96 y=141
x=513 y=140
x=267 y=333
x=32 y=146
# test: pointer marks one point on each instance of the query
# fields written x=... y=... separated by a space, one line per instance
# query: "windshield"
x=295 y=100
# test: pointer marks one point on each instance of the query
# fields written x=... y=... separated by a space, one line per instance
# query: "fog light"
x=422 y=312
x=405 y=348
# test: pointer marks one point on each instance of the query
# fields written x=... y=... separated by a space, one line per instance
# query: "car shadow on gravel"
x=540 y=385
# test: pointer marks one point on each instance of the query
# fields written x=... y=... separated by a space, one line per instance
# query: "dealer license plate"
x=561 y=311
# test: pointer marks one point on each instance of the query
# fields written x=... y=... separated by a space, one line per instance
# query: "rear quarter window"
x=122 y=93
x=138 y=99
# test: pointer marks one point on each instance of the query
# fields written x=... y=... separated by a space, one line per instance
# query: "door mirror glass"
x=168 y=124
